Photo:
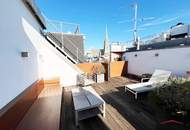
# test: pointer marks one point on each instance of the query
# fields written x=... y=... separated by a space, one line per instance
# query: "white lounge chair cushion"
x=160 y=76
x=157 y=79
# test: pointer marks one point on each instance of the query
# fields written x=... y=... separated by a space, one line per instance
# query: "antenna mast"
x=136 y=40
x=135 y=23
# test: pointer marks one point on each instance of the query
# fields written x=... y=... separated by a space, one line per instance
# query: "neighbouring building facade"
x=118 y=47
x=117 y=50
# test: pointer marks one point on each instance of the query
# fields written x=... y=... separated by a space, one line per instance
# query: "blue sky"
x=93 y=15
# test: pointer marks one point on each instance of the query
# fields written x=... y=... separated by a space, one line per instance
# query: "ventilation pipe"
x=138 y=43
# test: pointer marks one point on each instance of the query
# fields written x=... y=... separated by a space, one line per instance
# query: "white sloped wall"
x=19 y=31
x=51 y=62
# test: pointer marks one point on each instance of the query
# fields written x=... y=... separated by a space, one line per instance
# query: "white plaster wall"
x=176 y=60
x=115 y=47
x=19 y=31
x=51 y=63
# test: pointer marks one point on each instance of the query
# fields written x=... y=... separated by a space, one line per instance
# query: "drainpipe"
x=138 y=43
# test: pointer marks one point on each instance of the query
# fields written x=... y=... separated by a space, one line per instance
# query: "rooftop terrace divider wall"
x=117 y=68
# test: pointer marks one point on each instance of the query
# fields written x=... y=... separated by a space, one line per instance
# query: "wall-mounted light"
x=156 y=54
x=41 y=57
x=24 y=54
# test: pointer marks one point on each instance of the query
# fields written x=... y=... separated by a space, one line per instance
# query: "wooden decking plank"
x=115 y=114
x=123 y=122
x=116 y=119
x=68 y=123
x=111 y=122
x=126 y=109
x=98 y=124
x=123 y=104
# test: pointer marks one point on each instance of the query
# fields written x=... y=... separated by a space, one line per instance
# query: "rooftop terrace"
x=122 y=111
x=38 y=71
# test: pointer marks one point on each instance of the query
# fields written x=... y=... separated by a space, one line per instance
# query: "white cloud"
x=164 y=20
x=160 y=21
x=139 y=29
x=131 y=20
x=124 y=21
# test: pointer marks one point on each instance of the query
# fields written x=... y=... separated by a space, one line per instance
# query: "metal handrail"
x=59 y=49
x=60 y=45
x=73 y=44
x=60 y=29
x=78 y=50
x=56 y=21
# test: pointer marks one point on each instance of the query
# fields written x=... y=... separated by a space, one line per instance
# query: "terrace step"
x=44 y=114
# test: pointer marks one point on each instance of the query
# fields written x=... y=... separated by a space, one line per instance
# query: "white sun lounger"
x=158 y=78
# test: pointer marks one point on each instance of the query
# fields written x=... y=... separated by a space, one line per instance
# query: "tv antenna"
x=136 y=39
x=135 y=6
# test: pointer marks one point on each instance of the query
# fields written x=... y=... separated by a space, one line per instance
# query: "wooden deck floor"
x=121 y=112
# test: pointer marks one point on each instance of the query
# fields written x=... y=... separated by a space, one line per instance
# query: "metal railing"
x=81 y=79
x=54 y=27
x=65 y=49
x=37 y=13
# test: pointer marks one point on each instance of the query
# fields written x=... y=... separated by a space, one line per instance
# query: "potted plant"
x=99 y=73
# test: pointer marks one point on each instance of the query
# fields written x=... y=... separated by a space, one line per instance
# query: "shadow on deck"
x=122 y=111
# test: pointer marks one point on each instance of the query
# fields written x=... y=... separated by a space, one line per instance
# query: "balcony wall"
x=117 y=68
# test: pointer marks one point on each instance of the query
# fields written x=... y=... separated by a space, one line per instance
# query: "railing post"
x=77 y=55
x=62 y=46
